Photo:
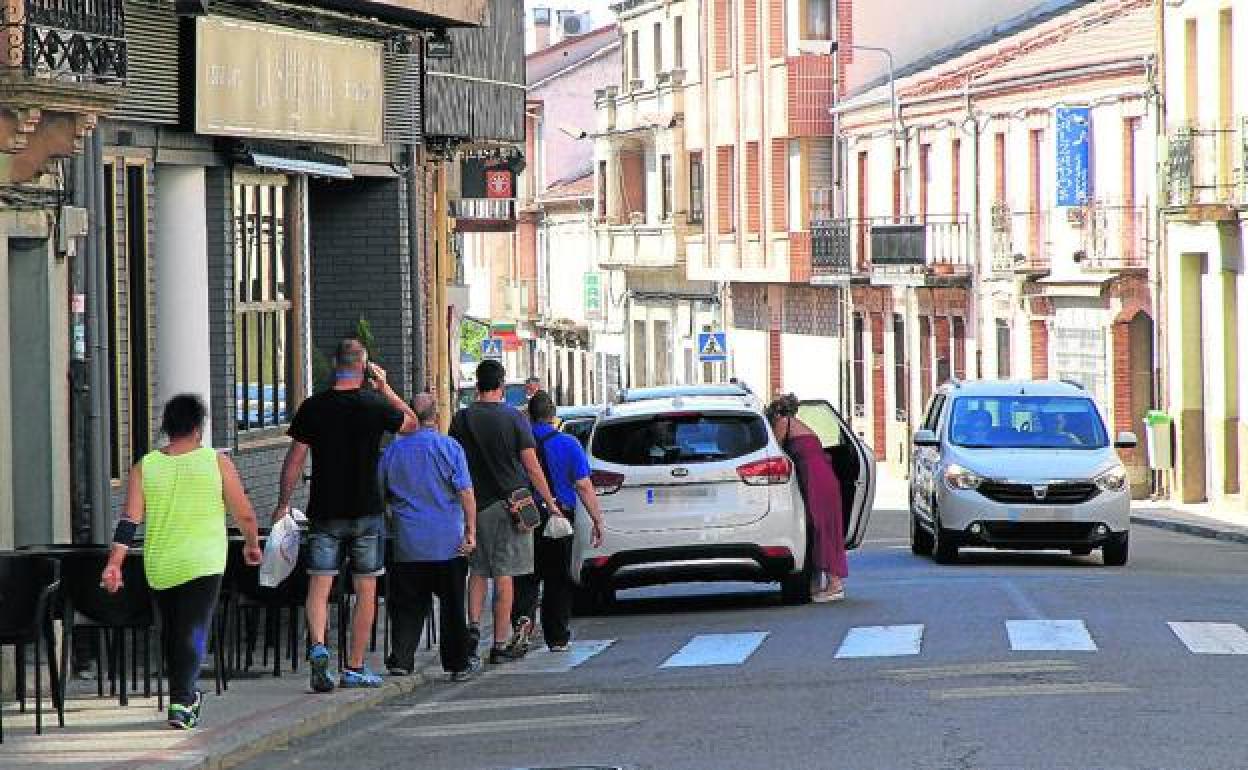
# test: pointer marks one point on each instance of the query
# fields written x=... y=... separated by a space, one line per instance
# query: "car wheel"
x=944 y=543
x=1114 y=553
x=921 y=541
x=795 y=587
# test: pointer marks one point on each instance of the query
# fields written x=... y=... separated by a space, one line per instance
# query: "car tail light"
x=773 y=470
x=606 y=482
x=598 y=562
x=776 y=552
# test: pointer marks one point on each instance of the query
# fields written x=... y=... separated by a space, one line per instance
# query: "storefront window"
x=263 y=309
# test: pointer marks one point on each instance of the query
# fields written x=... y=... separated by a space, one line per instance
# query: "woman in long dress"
x=821 y=490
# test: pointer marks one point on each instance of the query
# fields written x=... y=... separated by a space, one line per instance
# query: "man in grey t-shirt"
x=502 y=458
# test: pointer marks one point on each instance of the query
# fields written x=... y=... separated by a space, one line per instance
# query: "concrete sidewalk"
x=259 y=713
x=1198 y=520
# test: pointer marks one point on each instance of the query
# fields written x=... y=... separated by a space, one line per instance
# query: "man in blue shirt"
x=434 y=524
x=567 y=470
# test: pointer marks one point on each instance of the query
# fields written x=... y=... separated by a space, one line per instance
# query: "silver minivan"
x=1018 y=465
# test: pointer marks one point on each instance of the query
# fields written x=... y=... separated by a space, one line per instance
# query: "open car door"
x=854 y=463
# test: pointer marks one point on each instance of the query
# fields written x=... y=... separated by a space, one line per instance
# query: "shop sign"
x=1073 y=155
x=263 y=81
x=593 y=296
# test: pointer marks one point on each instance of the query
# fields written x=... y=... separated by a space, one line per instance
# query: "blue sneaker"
x=318 y=664
x=358 y=677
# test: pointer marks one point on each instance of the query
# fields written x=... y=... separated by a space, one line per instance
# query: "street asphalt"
x=1005 y=660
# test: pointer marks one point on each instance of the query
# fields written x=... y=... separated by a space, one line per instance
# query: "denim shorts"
x=363 y=539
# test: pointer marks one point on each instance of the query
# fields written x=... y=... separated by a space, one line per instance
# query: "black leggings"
x=186 y=617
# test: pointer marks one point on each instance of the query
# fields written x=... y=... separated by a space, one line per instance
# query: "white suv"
x=695 y=487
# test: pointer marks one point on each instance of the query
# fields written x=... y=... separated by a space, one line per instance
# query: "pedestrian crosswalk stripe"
x=1049 y=636
x=531 y=724
x=882 y=641
x=1212 y=638
x=716 y=650
x=543 y=661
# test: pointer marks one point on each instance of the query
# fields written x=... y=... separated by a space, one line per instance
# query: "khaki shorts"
x=501 y=550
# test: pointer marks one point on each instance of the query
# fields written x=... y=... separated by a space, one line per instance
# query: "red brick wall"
x=878 y=400
x=749 y=36
x=1124 y=405
x=775 y=29
x=779 y=176
x=999 y=168
x=845 y=37
x=753 y=201
x=800 y=257
x=725 y=192
x=810 y=95
x=1040 y=349
x=721 y=21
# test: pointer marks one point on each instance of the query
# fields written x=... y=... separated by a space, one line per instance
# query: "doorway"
x=30 y=343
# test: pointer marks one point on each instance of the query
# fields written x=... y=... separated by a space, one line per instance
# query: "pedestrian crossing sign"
x=713 y=346
x=492 y=347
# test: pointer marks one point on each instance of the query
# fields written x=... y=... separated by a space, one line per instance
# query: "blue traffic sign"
x=492 y=347
x=712 y=346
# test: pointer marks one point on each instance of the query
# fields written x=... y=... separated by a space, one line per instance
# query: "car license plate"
x=676 y=494
x=1040 y=513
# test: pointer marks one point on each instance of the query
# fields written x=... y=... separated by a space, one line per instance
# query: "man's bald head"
x=426 y=408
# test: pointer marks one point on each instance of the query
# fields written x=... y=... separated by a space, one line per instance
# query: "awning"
x=312 y=164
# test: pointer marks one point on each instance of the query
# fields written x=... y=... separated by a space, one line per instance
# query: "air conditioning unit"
x=573 y=24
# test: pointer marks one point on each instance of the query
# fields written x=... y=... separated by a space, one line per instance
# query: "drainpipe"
x=415 y=248
x=99 y=403
x=977 y=321
x=80 y=393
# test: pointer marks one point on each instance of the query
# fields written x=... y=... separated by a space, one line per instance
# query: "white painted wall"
x=180 y=267
x=748 y=353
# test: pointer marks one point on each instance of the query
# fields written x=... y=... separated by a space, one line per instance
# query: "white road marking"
x=543 y=661
x=882 y=641
x=485 y=704
x=716 y=650
x=1049 y=636
x=1212 y=638
x=1028 y=690
x=531 y=724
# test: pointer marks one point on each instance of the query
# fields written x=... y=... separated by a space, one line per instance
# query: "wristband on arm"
x=124 y=534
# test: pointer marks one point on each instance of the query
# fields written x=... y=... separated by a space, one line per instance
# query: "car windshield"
x=1027 y=422
x=679 y=439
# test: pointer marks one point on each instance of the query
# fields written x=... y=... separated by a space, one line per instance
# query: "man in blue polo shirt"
x=434 y=514
x=567 y=469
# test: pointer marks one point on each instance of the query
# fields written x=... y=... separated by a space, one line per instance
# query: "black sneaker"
x=521 y=636
x=504 y=654
x=474 y=668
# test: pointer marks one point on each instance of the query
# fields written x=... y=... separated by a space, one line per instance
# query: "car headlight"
x=958 y=477
x=1112 y=480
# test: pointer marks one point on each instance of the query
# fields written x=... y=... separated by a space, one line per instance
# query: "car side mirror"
x=926 y=438
x=1126 y=440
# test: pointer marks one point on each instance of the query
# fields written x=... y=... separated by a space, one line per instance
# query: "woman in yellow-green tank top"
x=181 y=492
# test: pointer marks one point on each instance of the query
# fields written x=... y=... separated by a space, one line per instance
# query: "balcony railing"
x=1021 y=240
x=1207 y=165
x=638 y=246
x=938 y=244
x=81 y=41
x=1117 y=237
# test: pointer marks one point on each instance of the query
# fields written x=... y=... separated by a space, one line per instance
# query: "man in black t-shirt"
x=502 y=458
x=342 y=428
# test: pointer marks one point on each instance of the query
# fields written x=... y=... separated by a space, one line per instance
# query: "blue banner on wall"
x=1073 y=152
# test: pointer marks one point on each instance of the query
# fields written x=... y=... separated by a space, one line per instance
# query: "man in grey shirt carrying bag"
x=502 y=459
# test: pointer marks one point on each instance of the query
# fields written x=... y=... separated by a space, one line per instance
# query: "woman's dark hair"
x=183 y=414
x=783 y=406
x=542 y=406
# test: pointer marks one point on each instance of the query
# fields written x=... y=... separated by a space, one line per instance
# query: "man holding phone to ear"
x=342 y=427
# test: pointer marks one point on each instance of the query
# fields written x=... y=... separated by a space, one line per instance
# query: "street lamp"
x=834 y=46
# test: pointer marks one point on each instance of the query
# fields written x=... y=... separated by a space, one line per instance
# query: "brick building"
x=1001 y=222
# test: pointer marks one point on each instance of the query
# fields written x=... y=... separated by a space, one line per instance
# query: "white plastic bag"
x=282 y=549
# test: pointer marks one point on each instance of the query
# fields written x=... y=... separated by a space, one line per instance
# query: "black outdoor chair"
x=28 y=585
x=245 y=598
x=86 y=605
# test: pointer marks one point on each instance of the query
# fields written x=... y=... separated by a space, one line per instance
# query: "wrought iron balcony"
x=1021 y=241
x=1207 y=165
x=931 y=245
x=1117 y=237
x=81 y=41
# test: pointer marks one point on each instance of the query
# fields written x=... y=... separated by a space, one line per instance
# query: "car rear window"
x=679 y=439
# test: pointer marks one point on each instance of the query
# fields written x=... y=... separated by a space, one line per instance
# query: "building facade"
x=1000 y=222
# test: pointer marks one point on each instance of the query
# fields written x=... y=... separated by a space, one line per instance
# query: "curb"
x=285 y=734
x=1226 y=534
